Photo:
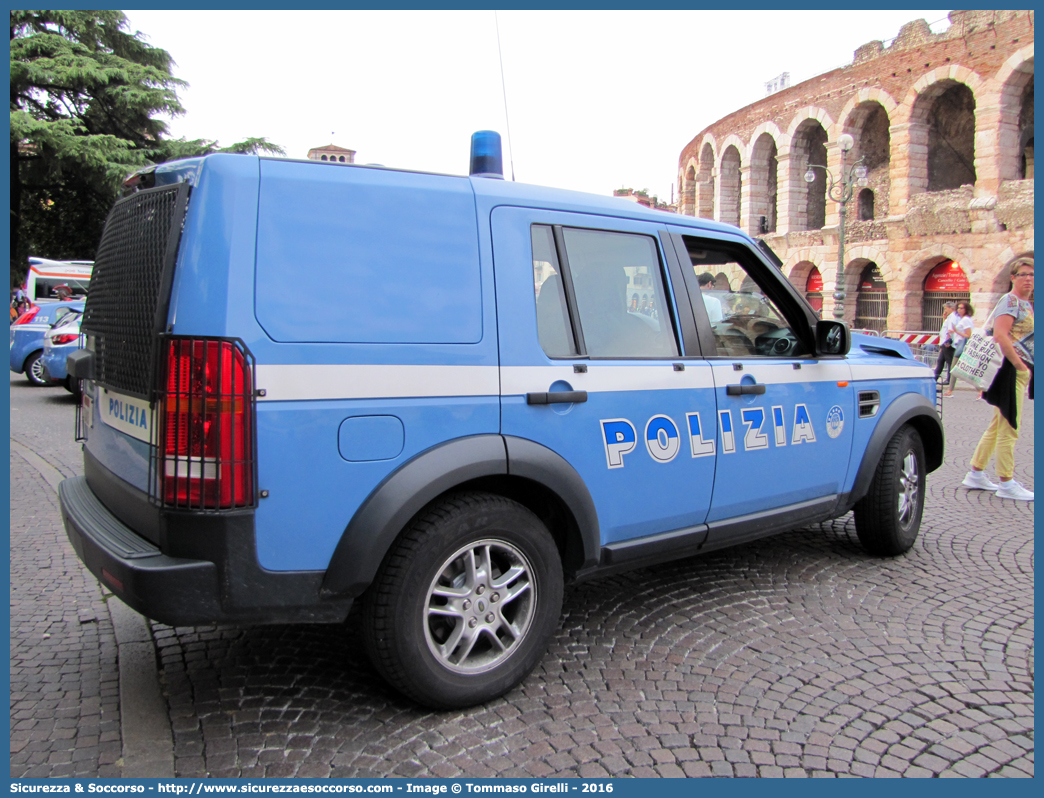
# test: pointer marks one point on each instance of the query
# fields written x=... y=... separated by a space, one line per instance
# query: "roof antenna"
x=503 y=89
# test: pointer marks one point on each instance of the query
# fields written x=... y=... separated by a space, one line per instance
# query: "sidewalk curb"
x=148 y=743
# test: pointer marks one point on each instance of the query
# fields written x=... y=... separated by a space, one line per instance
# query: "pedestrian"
x=1012 y=331
x=945 y=359
x=963 y=328
x=712 y=303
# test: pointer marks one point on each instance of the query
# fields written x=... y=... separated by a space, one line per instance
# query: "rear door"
x=593 y=366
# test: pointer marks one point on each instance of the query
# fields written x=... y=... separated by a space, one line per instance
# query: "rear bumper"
x=168 y=589
x=54 y=366
x=185 y=590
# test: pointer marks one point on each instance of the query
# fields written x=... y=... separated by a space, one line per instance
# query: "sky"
x=596 y=100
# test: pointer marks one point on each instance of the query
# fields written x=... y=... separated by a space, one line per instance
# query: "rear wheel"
x=34 y=369
x=888 y=518
x=464 y=606
x=73 y=386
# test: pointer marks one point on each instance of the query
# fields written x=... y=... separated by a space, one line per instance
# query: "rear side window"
x=617 y=295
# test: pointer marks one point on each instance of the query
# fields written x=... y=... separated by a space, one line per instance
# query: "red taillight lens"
x=65 y=338
x=206 y=435
x=28 y=316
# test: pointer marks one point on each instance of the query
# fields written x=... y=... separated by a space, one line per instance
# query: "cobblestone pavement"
x=65 y=717
x=798 y=655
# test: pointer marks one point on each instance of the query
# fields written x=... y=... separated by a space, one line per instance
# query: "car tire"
x=888 y=518
x=73 y=386
x=466 y=602
x=34 y=370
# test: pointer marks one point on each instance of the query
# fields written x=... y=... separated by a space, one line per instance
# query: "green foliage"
x=85 y=97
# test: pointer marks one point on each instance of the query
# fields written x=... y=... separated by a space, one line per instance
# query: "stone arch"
x=808 y=146
x=927 y=83
x=799 y=263
x=870 y=125
x=798 y=273
x=942 y=129
x=868 y=252
x=811 y=112
x=705 y=179
x=867 y=95
x=730 y=183
x=799 y=276
x=869 y=310
x=1015 y=136
x=858 y=258
x=763 y=188
x=919 y=264
x=687 y=189
x=769 y=127
x=1001 y=282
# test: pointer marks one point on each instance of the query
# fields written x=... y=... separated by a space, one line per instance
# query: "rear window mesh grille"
x=130 y=286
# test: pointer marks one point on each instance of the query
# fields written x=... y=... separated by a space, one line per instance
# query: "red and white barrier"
x=913 y=338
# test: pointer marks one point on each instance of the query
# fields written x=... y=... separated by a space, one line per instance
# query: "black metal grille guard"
x=129 y=297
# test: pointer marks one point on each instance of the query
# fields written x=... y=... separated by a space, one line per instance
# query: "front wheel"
x=464 y=606
x=888 y=518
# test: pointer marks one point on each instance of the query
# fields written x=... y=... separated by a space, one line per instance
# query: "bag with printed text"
x=981 y=359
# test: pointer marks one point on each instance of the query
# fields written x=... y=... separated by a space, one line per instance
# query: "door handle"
x=556 y=397
x=740 y=390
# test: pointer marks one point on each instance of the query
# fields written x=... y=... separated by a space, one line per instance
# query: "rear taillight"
x=206 y=458
x=28 y=316
x=65 y=338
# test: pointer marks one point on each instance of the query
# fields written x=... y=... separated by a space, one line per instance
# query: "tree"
x=85 y=97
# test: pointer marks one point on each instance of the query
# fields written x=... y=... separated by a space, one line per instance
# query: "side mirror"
x=832 y=338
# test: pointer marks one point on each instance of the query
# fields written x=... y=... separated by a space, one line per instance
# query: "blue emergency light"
x=486 y=160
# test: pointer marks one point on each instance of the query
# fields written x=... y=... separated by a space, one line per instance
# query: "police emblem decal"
x=835 y=421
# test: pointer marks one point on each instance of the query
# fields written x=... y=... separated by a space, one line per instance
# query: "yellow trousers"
x=1000 y=436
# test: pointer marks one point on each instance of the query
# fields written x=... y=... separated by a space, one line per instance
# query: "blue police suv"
x=514 y=388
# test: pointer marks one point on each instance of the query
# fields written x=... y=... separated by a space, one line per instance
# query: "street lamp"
x=841 y=191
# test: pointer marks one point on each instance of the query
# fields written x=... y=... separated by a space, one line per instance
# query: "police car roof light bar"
x=486 y=159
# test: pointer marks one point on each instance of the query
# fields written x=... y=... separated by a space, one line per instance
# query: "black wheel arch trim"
x=909 y=408
x=404 y=493
x=537 y=463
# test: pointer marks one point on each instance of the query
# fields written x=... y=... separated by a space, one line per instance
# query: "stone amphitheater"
x=942 y=123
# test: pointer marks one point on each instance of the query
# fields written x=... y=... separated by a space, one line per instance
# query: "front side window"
x=619 y=298
x=745 y=321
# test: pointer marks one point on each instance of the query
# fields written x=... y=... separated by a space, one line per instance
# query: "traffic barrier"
x=924 y=345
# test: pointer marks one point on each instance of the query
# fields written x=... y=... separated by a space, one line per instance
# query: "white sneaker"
x=1013 y=490
x=977 y=480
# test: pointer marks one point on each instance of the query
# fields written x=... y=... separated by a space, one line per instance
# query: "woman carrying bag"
x=1012 y=326
x=962 y=330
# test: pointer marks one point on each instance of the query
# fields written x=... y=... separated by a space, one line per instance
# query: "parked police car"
x=27 y=337
x=513 y=388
